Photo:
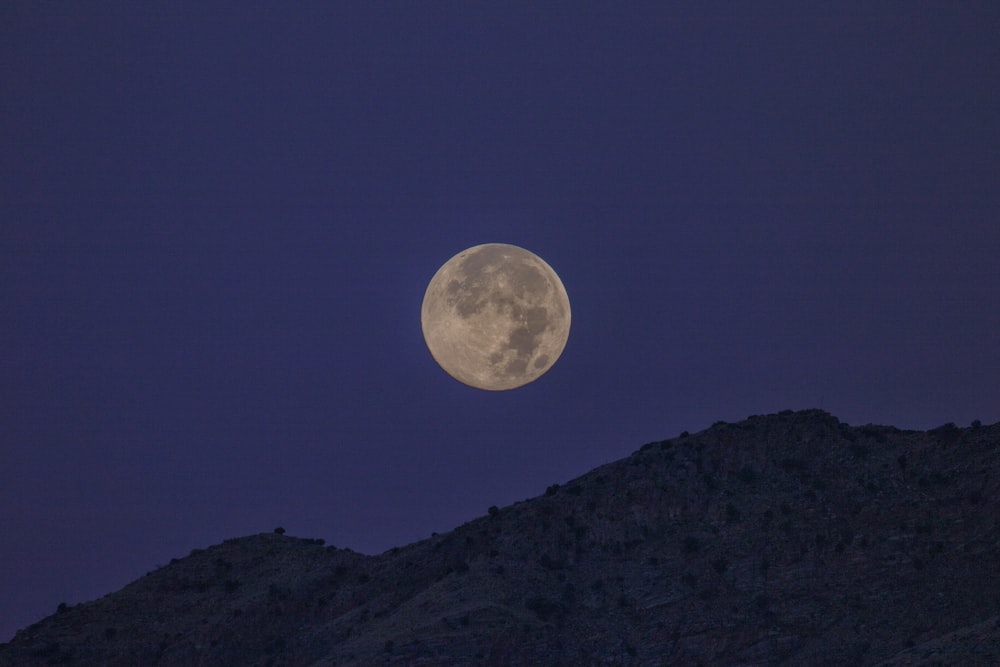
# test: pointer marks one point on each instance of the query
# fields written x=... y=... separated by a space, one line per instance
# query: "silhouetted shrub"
x=874 y=432
x=947 y=433
x=574 y=490
x=493 y=511
x=543 y=607
x=54 y=654
x=276 y=593
x=275 y=645
x=552 y=490
x=550 y=563
x=792 y=465
x=279 y=530
x=935 y=479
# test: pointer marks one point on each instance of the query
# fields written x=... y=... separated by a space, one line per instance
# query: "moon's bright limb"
x=495 y=316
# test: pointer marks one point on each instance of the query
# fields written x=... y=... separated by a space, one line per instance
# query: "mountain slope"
x=783 y=539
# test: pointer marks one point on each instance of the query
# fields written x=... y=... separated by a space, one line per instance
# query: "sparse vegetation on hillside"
x=783 y=539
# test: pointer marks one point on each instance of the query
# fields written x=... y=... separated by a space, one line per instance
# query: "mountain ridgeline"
x=790 y=538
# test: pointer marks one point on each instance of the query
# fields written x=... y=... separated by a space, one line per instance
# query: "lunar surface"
x=495 y=317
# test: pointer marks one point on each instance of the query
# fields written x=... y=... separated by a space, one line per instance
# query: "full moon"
x=495 y=317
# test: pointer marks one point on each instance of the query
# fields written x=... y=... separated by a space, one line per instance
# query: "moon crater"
x=495 y=316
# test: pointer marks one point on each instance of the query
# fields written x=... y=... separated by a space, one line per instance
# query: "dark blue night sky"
x=217 y=223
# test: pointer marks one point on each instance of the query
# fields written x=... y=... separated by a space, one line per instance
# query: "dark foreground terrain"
x=783 y=539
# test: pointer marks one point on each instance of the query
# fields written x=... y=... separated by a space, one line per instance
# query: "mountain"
x=790 y=538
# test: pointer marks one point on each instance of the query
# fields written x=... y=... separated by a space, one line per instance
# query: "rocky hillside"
x=783 y=539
